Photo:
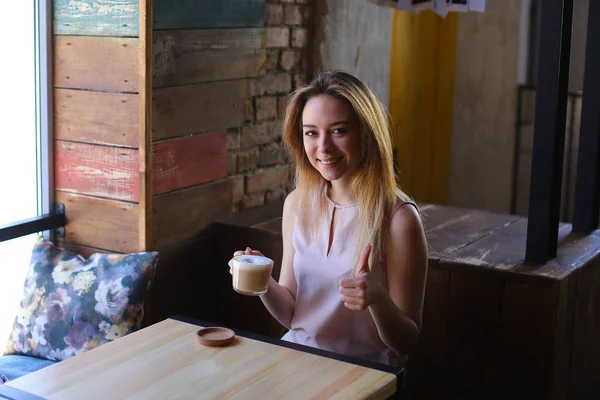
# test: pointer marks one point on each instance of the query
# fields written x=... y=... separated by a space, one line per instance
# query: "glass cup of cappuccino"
x=251 y=274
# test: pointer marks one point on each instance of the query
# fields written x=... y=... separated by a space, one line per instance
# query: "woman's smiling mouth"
x=329 y=161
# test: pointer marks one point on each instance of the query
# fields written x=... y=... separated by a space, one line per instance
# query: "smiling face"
x=331 y=136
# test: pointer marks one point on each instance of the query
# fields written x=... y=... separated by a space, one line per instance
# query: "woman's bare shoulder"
x=289 y=204
x=406 y=220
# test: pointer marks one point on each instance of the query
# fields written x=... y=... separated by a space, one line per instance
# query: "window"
x=25 y=153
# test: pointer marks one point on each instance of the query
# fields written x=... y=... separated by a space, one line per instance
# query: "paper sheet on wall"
x=440 y=7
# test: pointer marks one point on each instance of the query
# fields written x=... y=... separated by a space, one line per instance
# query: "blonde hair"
x=373 y=187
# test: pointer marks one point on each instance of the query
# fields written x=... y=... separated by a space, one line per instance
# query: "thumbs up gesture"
x=361 y=290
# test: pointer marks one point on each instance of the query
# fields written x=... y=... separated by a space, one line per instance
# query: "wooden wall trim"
x=100 y=223
x=97 y=18
x=183 y=57
x=96 y=117
x=182 y=14
x=145 y=125
x=84 y=251
x=182 y=215
x=184 y=110
x=96 y=63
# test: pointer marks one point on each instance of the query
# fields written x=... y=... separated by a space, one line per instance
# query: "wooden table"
x=165 y=360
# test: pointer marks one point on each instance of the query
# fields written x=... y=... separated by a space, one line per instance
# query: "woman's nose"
x=324 y=141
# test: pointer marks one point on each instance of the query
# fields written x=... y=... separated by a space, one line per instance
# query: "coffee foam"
x=252 y=261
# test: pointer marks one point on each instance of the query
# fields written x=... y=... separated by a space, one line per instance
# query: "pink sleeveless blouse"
x=320 y=318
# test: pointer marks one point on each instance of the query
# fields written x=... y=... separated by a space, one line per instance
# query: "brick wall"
x=256 y=160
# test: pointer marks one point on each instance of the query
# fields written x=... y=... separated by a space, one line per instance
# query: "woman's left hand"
x=361 y=290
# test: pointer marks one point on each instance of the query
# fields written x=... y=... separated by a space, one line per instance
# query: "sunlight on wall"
x=18 y=181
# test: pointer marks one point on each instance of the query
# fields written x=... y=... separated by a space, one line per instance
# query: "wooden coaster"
x=215 y=336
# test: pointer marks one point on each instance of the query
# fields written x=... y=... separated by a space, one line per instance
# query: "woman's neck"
x=339 y=193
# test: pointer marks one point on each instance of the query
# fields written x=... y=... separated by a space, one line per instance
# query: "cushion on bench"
x=71 y=304
x=14 y=366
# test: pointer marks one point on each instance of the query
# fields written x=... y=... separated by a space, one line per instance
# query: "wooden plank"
x=493 y=249
x=563 y=343
x=188 y=161
x=103 y=171
x=181 y=215
x=528 y=328
x=96 y=63
x=184 y=14
x=105 y=224
x=96 y=117
x=255 y=216
x=84 y=251
x=426 y=361
x=96 y=18
x=467 y=229
x=585 y=358
x=574 y=251
x=192 y=56
x=435 y=216
x=470 y=355
x=503 y=249
x=144 y=115
x=183 y=110
x=184 y=279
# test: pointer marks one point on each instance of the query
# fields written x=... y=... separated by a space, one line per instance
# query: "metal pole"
x=587 y=183
x=549 y=130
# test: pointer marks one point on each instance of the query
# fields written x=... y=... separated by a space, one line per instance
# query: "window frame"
x=48 y=216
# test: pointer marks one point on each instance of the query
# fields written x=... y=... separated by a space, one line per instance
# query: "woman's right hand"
x=248 y=251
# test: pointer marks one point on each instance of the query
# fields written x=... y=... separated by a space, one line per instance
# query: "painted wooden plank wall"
x=96 y=63
x=188 y=161
x=97 y=56
x=205 y=54
x=202 y=55
x=96 y=117
x=181 y=215
x=182 y=14
x=183 y=110
x=105 y=224
x=102 y=171
x=96 y=17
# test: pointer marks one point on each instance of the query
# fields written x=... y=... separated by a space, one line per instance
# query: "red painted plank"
x=188 y=161
x=102 y=171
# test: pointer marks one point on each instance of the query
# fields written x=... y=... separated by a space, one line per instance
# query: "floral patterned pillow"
x=71 y=305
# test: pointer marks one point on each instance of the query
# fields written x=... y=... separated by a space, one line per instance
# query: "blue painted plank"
x=96 y=17
x=186 y=14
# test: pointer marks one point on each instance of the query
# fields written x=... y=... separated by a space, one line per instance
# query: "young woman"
x=354 y=251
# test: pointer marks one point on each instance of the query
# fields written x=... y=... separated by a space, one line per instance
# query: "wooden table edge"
x=8 y=392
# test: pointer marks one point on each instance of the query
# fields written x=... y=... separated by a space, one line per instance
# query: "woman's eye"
x=340 y=131
x=309 y=133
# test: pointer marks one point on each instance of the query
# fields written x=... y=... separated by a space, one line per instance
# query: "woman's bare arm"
x=398 y=315
x=280 y=298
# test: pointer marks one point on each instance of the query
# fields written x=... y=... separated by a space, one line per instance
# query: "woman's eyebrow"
x=344 y=122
